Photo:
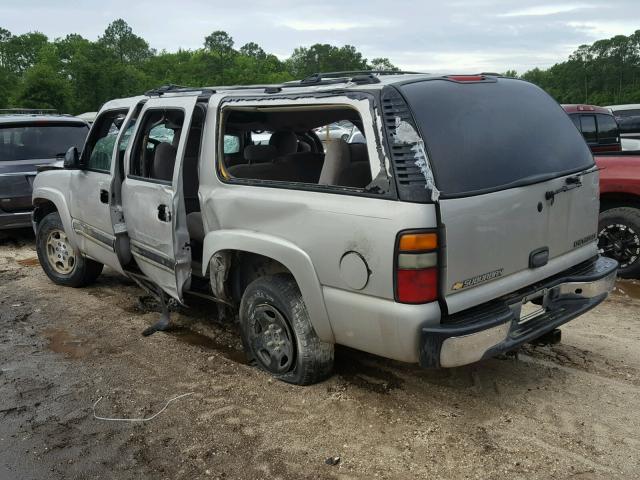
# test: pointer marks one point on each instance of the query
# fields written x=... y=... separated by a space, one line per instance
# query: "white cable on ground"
x=137 y=419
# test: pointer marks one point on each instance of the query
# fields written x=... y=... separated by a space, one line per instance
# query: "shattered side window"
x=103 y=139
x=231 y=144
x=161 y=133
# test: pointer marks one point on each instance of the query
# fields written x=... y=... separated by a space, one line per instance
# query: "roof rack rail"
x=359 y=74
x=158 y=92
x=328 y=78
x=28 y=111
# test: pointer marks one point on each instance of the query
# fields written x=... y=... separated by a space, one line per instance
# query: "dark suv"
x=26 y=142
x=597 y=125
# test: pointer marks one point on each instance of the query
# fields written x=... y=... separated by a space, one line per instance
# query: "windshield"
x=30 y=141
x=487 y=136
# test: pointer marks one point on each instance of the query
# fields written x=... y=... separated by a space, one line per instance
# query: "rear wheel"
x=619 y=238
x=62 y=263
x=277 y=332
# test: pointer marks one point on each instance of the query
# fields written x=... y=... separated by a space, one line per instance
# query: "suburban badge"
x=470 y=282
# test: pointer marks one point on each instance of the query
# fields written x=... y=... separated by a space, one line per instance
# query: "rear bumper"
x=498 y=326
x=14 y=220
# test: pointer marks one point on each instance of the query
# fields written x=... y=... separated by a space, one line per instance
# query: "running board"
x=148 y=286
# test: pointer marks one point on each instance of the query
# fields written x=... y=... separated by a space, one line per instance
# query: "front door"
x=152 y=197
x=90 y=187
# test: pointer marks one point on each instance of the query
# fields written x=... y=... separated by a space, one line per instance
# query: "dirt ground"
x=567 y=411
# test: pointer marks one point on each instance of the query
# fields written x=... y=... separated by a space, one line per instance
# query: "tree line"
x=604 y=73
x=74 y=74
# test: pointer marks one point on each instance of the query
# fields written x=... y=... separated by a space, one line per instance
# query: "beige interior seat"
x=337 y=158
x=164 y=160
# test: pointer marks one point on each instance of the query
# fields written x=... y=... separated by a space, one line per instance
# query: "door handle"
x=104 y=195
x=164 y=215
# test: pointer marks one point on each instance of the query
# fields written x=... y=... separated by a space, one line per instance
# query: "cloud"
x=328 y=25
x=603 y=29
x=545 y=10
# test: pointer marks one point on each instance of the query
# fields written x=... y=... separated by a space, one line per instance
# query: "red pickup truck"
x=619 y=226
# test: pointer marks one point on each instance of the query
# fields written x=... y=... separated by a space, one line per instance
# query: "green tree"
x=5 y=36
x=605 y=72
x=253 y=50
x=325 y=58
x=382 y=64
x=128 y=47
x=5 y=87
x=219 y=56
x=219 y=43
x=43 y=87
x=20 y=52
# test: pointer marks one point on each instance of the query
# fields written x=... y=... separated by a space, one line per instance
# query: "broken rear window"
x=488 y=136
x=296 y=144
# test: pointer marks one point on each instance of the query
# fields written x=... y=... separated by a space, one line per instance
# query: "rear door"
x=516 y=184
x=152 y=198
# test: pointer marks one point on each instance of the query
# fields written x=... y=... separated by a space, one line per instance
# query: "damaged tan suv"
x=463 y=226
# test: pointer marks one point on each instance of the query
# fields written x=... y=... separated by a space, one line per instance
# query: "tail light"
x=417 y=267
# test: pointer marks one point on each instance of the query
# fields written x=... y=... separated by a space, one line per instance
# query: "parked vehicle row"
x=619 y=223
x=27 y=141
x=460 y=227
x=598 y=127
x=628 y=118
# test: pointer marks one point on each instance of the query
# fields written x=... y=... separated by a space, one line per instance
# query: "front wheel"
x=62 y=263
x=619 y=238
x=277 y=332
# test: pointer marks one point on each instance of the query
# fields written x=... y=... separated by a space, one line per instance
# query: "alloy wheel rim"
x=60 y=253
x=621 y=242
x=271 y=339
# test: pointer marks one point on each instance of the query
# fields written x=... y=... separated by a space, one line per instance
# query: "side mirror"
x=72 y=159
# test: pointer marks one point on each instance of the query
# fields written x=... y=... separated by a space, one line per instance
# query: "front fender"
x=56 y=197
x=285 y=252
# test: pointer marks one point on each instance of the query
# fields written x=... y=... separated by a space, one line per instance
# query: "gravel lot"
x=567 y=411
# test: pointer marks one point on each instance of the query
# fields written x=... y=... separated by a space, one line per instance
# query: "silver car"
x=464 y=225
x=333 y=131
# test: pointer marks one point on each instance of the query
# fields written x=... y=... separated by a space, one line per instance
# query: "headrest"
x=164 y=160
x=304 y=147
x=173 y=120
x=285 y=142
x=337 y=146
x=260 y=153
x=358 y=152
x=337 y=157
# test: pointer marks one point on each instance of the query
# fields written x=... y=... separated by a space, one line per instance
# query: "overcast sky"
x=456 y=36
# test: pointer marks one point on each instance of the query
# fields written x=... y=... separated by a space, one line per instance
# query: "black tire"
x=83 y=271
x=619 y=238
x=308 y=359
